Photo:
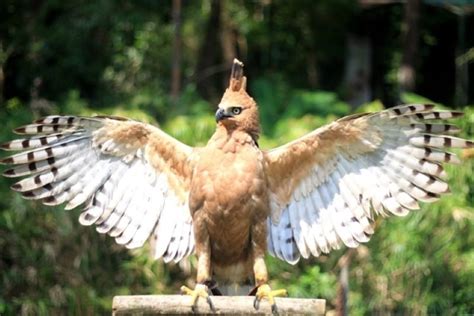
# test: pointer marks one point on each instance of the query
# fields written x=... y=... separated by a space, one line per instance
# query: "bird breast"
x=229 y=191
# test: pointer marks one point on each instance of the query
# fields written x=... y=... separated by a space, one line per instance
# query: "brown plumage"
x=228 y=198
x=230 y=201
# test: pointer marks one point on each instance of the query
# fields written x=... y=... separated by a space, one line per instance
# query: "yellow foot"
x=200 y=290
x=264 y=290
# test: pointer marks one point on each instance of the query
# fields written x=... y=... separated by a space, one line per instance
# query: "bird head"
x=237 y=110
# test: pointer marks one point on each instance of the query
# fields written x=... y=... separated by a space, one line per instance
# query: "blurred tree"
x=176 y=57
x=406 y=72
x=209 y=59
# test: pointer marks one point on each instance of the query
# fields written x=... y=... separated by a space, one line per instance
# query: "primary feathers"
x=131 y=177
x=230 y=201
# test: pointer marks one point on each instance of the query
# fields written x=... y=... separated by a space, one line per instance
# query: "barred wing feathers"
x=132 y=178
x=326 y=187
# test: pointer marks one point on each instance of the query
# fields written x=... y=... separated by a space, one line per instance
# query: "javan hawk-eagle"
x=230 y=202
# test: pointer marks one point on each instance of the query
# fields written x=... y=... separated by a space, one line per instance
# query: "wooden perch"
x=225 y=305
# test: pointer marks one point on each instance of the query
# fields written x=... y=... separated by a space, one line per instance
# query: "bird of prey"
x=230 y=202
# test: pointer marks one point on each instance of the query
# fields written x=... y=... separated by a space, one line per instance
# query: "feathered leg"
x=263 y=290
x=203 y=252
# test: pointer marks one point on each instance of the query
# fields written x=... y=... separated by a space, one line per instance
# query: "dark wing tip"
x=9 y=173
x=20 y=130
x=49 y=199
x=16 y=187
x=6 y=161
x=429 y=106
x=27 y=194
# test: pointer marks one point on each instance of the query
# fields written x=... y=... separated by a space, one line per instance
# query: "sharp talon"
x=256 y=303
x=274 y=309
x=211 y=304
x=264 y=291
x=201 y=290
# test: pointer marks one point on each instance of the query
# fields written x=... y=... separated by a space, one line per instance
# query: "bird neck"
x=230 y=140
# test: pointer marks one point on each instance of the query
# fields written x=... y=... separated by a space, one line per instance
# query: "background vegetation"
x=168 y=62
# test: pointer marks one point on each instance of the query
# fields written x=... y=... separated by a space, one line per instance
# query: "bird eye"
x=236 y=110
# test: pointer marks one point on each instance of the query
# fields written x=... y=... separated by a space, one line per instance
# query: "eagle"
x=230 y=202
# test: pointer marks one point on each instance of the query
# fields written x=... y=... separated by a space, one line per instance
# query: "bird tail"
x=235 y=289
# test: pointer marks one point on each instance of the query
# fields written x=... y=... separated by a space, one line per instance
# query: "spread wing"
x=132 y=178
x=326 y=187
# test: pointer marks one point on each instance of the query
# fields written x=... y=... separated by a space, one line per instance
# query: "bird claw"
x=264 y=290
x=256 y=303
x=201 y=290
x=274 y=309
x=211 y=304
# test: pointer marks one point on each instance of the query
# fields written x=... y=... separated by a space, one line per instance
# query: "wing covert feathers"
x=131 y=177
x=332 y=182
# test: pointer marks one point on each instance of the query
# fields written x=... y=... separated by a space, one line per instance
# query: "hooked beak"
x=220 y=115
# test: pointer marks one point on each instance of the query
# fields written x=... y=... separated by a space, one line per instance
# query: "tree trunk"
x=406 y=73
x=4 y=54
x=209 y=54
x=462 y=72
x=358 y=71
x=2 y=80
x=312 y=69
x=176 y=62
x=343 y=287
x=228 y=39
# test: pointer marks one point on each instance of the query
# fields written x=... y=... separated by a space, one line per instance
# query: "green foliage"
x=290 y=128
x=272 y=94
x=409 y=97
x=373 y=106
x=196 y=129
x=277 y=102
x=303 y=280
x=320 y=102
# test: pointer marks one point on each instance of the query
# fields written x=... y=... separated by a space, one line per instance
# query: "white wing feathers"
x=280 y=239
x=106 y=163
x=361 y=166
